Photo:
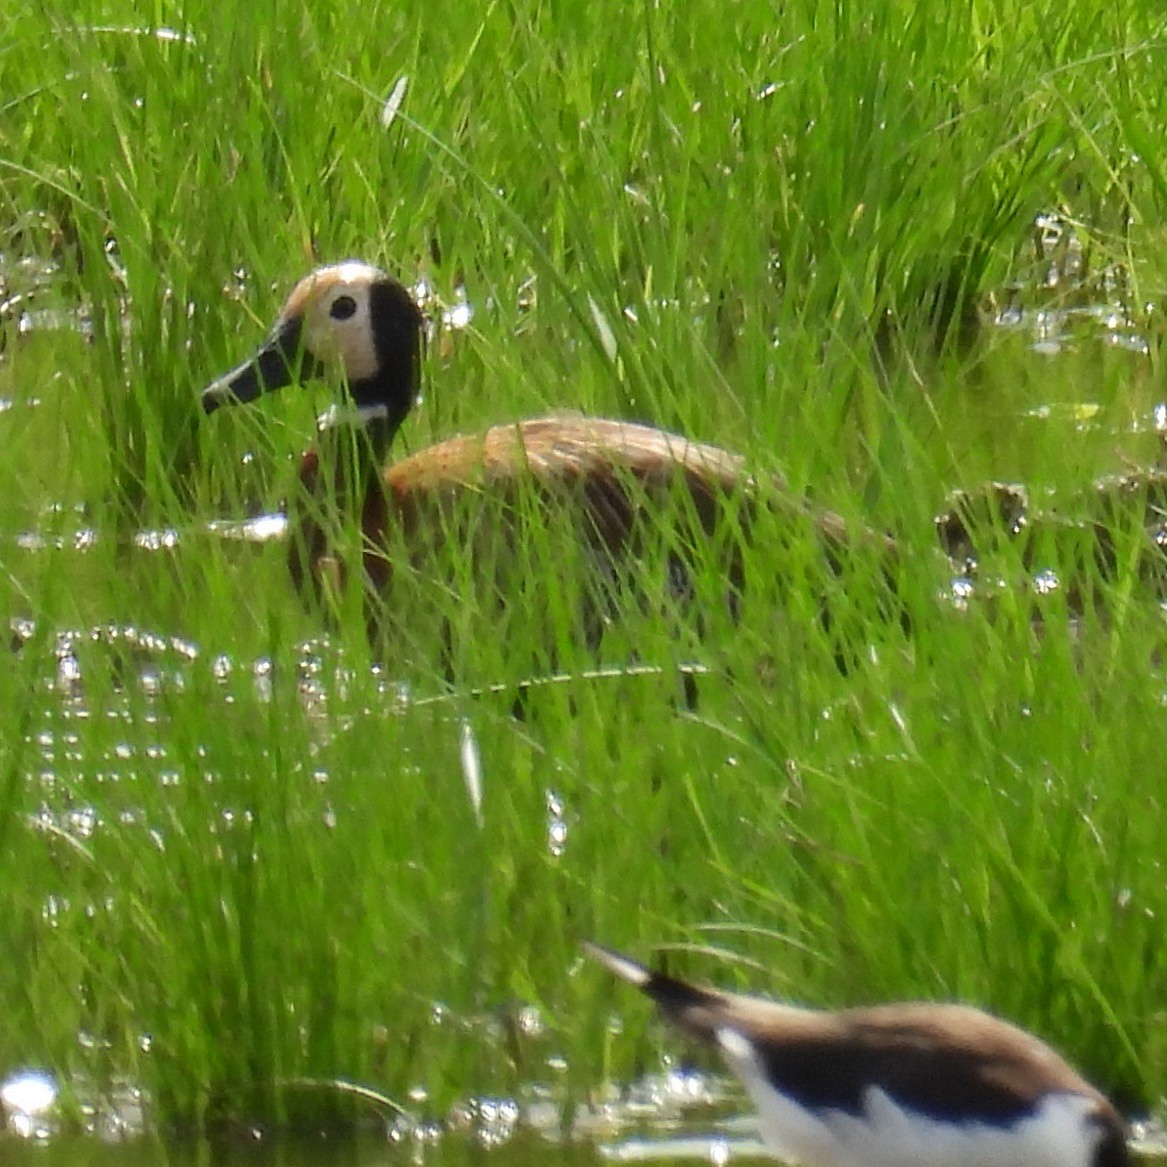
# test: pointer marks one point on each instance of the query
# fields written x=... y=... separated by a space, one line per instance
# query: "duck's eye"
x=342 y=308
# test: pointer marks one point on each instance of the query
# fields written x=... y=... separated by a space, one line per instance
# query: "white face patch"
x=1058 y=1133
x=334 y=305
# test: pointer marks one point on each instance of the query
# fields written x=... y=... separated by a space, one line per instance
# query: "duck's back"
x=567 y=448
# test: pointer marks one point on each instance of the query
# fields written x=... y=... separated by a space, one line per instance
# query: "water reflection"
x=359 y=1150
x=29 y=1101
x=651 y=1120
x=593 y=1141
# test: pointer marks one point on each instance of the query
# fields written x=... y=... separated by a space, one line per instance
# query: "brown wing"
x=934 y=1059
x=601 y=454
x=597 y=472
x=564 y=449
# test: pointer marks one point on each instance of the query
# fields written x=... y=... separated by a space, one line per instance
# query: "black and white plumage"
x=897 y=1085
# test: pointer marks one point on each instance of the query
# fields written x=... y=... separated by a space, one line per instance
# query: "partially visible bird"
x=614 y=480
x=898 y=1085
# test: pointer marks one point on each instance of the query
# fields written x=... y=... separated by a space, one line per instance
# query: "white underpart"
x=1056 y=1134
x=348 y=340
x=349 y=414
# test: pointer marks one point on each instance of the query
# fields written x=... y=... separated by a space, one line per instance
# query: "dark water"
x=350 y=1151
x=367 y=1150
x=671 y=1115
x=712 y=1142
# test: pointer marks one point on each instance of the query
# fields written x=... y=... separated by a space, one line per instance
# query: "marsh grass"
x=770 y=230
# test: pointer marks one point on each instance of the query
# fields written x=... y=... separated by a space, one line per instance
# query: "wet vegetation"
x=888 y=251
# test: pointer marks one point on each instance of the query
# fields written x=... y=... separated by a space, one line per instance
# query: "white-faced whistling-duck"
x=612 y=475
x=891 y=1085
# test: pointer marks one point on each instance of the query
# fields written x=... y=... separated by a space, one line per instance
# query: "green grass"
x=764 y=229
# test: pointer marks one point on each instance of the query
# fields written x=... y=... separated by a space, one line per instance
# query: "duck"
x=891 y=1085
x=355 y=323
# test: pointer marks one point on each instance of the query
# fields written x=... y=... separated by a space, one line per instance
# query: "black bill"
x=280 y=361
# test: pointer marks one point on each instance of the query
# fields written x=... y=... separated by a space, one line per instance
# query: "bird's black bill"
x=280 y=361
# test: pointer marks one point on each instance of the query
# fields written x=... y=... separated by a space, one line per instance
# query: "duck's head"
x=350 y=319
